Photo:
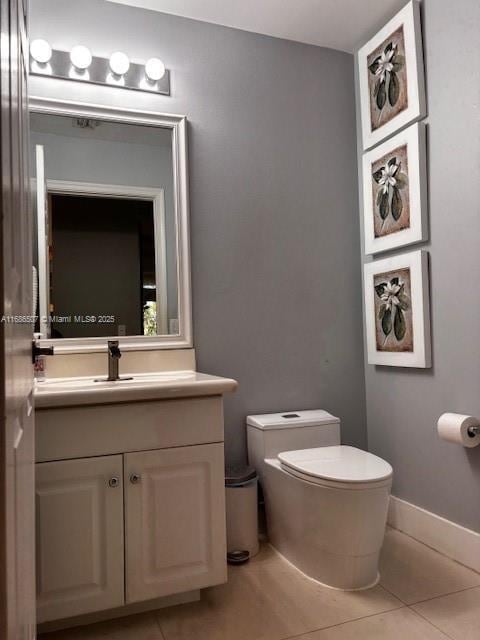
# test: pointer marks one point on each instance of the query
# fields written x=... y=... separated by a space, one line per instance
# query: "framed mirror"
x=112 y=223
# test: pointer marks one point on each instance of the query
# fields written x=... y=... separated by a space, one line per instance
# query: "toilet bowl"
x=326 y=503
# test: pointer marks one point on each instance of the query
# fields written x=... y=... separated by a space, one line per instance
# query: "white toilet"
x=326 y=503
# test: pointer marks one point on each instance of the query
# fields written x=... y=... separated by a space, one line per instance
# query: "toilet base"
x=352 y=579
x=333 y=536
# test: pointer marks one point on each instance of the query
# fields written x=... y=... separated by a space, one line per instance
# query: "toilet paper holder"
x=473 y=431
x=458 y=428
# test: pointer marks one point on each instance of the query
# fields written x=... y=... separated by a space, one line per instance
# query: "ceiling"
x=339 y=24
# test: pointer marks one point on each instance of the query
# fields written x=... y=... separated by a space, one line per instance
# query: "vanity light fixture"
x=41 y=51
x=119 y=63
x=118 y=71
x=81 y=57
x=154 y=69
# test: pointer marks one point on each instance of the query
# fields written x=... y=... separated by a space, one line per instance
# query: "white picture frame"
x=403 y=34
x=414 y=349
x=395 y=212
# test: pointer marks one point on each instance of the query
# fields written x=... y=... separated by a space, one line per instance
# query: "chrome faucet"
x=114 y=355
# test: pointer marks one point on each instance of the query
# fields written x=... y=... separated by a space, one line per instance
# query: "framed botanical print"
x=395 y=191
x=391 y=77
x=397 y=310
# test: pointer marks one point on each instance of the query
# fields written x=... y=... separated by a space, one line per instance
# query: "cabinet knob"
x=135 y=478
x=113 y=482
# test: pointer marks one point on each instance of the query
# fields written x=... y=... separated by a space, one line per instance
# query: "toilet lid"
x=337 y=464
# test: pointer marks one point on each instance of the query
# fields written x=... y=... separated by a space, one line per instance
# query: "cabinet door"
x=80 y=565
x=175 y=520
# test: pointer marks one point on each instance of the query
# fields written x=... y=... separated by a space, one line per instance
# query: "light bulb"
x=81 y=57
x=154 y=69
x=41 y=51
x=119 y=63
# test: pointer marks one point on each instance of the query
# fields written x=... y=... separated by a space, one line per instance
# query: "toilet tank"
x=270 y=434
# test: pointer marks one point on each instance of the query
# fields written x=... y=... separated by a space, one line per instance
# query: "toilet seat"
x=337 y=466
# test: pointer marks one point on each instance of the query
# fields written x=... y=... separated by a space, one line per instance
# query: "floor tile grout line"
x=443 y=595
x=339 y=624
x=372 y=615
x=447 y=635
x=157 y=622
x=393 y=594
x=330 y=626
x=441 y=553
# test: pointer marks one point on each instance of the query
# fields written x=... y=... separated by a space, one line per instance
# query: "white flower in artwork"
x=387 y=178
x=385 y=68
x=393 y=304
x=389 y=295
x=385 y=63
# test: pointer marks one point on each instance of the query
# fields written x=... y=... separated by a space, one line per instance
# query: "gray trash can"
x=241 y=499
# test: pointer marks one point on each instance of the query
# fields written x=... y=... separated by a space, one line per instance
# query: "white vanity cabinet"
x=174 y=524
x=130 y=504
x=79 y=536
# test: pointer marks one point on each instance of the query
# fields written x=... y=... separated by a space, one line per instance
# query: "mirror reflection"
x=106 y=255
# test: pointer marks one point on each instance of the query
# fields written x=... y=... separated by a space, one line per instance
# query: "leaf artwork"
x=387 y=79
x=394 y=303
x=396 y=204
x=393 y=88
x=391 y=181
x=385 y=68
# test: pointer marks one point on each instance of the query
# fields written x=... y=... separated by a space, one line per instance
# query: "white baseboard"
x=449 y=538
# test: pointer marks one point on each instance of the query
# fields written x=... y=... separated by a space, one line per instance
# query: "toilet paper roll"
x=453 y=427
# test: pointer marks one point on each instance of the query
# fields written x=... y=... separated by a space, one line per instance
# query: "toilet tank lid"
x=289 y=419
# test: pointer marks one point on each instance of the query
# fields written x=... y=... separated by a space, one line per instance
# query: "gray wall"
x=274 y=208
x=403 y=405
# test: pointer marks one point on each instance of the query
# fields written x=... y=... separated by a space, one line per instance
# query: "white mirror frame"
x=178 y=126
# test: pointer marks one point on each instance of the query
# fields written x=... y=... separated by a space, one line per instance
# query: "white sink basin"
x=58 y=392
x=69 y=384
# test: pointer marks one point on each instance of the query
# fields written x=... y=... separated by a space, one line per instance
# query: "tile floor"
x=422 y=596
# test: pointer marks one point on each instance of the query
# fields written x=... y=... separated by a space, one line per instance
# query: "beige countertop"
x=63 y=392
